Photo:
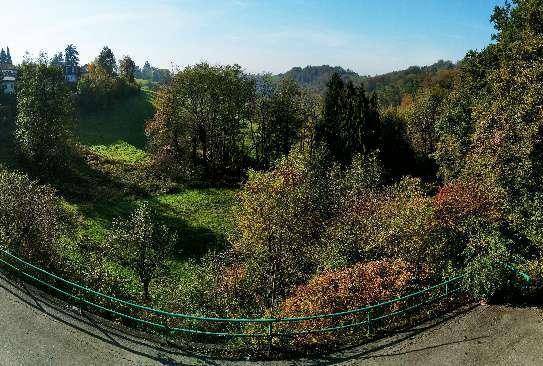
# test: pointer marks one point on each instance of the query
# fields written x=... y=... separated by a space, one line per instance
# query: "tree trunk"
x=146 y=290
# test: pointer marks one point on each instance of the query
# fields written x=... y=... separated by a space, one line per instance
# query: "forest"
x=222 y=193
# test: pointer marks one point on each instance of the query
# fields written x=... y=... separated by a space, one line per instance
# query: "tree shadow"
x=163 y=351
x=130 y=340
x=388 y=340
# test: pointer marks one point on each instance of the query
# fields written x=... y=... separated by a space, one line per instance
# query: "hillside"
x=390 y=87
x=316 y=77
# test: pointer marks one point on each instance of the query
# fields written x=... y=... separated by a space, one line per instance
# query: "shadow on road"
x=162 y=352
x=101 y=329
x=368 y=351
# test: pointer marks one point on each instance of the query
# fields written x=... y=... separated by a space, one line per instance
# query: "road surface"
x=39 y=330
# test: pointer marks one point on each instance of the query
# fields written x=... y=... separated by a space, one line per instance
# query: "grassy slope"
x=118 y=133
x=117 y=137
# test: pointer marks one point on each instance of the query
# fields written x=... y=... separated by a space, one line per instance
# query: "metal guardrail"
x=270 y=328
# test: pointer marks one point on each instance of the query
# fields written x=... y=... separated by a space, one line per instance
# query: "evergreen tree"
x=350 y=122
x=9 y=61
x=71 y=56
x=147 y=71
x=3 y=57
x=106 y=60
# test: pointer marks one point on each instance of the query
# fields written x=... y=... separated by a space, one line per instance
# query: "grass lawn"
x=199 y=215
x=123 y=123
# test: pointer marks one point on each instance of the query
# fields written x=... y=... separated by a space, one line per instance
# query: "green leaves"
x=45 y=116
x=199 y=122
x=29 y=217
x=142 y=244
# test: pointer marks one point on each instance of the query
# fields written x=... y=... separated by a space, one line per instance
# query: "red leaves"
x=356 y=286
x=334 y=291
x=458 y=201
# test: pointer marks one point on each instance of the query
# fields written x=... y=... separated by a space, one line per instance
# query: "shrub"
x=142 y=244
x=45 y=116
x=334 y=291
x=484 y=256
x=459 y=201
x=395 y=222
x=29 y=217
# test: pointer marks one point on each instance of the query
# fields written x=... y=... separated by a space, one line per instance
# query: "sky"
x=367 y=36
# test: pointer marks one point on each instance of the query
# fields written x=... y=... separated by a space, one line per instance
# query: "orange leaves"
x=356 y=286
x=351 y=288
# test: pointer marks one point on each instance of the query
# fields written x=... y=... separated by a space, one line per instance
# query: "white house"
x=8 y=85
x=8 y=73
x=71 y=73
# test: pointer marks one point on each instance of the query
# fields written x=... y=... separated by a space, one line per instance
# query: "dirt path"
x=36 y=330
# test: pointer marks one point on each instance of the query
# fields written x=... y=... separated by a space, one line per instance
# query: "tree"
x=147 y=71
x=9 y=61
x=30 y=222
x=279 y=120
x=127 y=68
x=200 y=119
x=142 y=244
x=278 y=220
x=106 y=61
x=421 y=119
x=57 y=60
x=350 y=121
x=71 y=58
x=45 y=117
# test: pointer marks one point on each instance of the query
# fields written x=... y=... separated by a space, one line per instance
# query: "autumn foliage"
x=354 y=287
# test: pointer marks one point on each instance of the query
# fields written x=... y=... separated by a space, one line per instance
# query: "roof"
x=5 y=67
x=9 y=78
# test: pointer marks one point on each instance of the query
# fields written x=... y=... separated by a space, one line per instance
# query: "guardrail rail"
x=365 y=318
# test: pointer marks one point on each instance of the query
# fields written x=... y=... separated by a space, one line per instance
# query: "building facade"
x=8 y=73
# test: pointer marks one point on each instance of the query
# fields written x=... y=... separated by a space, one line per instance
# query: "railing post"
x=369 y=322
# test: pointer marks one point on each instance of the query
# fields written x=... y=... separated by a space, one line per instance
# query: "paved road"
x=36 y=330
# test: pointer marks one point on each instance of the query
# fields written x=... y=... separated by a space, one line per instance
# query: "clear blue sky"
x=367 y=36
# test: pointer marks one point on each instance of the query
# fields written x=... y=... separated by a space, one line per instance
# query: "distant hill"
x=390 y=87
x=316 y=77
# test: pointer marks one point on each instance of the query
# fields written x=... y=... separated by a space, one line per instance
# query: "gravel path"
x=36 y=330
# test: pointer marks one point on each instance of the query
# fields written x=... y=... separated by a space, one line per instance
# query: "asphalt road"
x=38 y=330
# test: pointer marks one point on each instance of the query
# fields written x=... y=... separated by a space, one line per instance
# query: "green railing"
x=365 y=318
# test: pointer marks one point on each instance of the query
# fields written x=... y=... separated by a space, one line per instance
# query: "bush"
x=461 y=201
x=354 y=287
x=29 y=217
x=395 y=222
x=45 y=116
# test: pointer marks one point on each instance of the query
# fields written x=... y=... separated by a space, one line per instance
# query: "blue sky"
x=367 y=36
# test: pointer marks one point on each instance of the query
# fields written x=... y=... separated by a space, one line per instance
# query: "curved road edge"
x=40 y=330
